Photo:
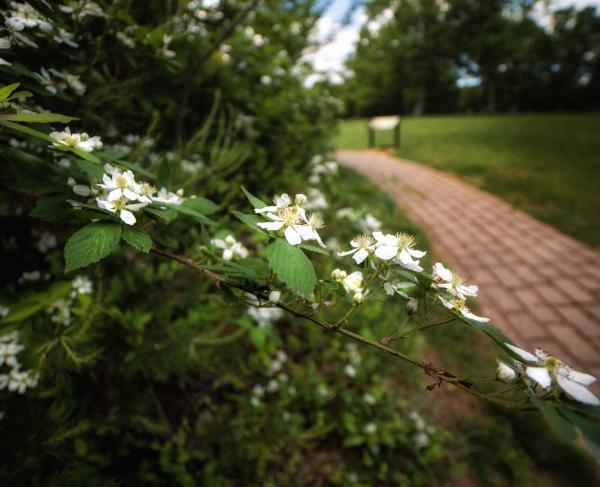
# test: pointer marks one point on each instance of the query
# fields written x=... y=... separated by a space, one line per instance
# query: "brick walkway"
x=540 y=286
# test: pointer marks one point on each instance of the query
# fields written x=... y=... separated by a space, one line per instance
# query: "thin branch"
x=440 y=375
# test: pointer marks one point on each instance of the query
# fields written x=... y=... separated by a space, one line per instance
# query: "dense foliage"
x=131 y=348
x=411 y=54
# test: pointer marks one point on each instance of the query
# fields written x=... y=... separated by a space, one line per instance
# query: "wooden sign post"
x=391 y=122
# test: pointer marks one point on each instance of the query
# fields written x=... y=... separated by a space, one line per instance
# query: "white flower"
x=46 y=242
x=169 y=197
x=231 y=247
x=15 y=380
x=281 y=201
x=346 y=213
x=64 y=37
x=369 y=399
x=272 y=386
x=505 y=373
x=265 y=317
x=120 y=185
x=61 y=312
x=350 y=370
x=358 y=297
x=8 y=353
x=258 y=390
x=363 y=246
x=309 y=231
x=274 y=296
x=4 y=310
x=549 y=370
x=76 y=141
x=122 y=207
x=25 y=16
x=452 y=282
x=317 y=200
x=400 y=248
x=164 y=50
x=82 y=285
x=353 y=282
x=370 y=224
x=460 y=306
x=370 y=428
x=421 y=440
x=290 y=221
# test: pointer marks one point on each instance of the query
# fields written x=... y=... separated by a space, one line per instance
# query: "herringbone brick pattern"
x=540 y=286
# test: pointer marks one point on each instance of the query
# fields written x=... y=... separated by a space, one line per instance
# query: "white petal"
x=386 y=252
x=130 y=194
x=343 y=254
x=270 y=225
x=446 y=303
x=443 y=273
x=416 y=253
x=107 y=180
x=227 y=254
x=292 y=236
x=468 y=290
x=114 y=195
x=217 y=242
x=360 y=255
x=127 y=217
x=265 y=209
x=577 y=391
x=524 y=354
x=471 y=316
x=354 y=243
x=378 y=236
x=540 y=375
x=584 y=379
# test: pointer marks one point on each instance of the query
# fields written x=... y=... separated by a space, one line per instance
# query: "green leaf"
x=314 y=248
x=201 y=205
x=52 y=209
x=554 y=417
x=291 y=266
x=91 y=244
x=26 y=130
x=163 y=178
x=88 y=156
x=5 y=91
x=186 y=210
x=136 y=237
x=22 y=311
x=92 y=169
x=37 y=117
x=165 y=215
x=250 y=220
x=254 y=201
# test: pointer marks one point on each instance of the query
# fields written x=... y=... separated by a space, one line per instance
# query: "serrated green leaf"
x=254 y=201
x=250 y=220
x=201 y=205
x=91 y=244
x=136 y=237
x=52 y=209
x=291 y=266
x=37 y=117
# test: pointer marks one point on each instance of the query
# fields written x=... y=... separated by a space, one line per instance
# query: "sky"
x=337 y=41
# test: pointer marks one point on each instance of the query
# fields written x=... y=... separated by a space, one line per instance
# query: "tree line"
x=444 y=56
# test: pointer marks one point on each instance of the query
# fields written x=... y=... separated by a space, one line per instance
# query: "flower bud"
x=358 y=298
x=274 y=296
x=505 y=373
x=338 y=274
x=411 y=306
x=300 y=199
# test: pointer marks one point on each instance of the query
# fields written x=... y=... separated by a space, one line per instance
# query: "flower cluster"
x=231 y=247
x=67 y=140
x=319 y=168
x=547 y=375
x=264 y=315
x=123 y=195
x=366 y=223
x=422 y=435
x=16 y=379
x=60 y=311
x=56 y=82
x=290 y=220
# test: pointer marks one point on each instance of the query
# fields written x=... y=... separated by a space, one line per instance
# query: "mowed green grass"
x=546 y=164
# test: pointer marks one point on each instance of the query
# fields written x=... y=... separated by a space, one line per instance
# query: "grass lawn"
x=545 y=164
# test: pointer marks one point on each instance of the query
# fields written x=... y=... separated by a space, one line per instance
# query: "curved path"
x=540 y=286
